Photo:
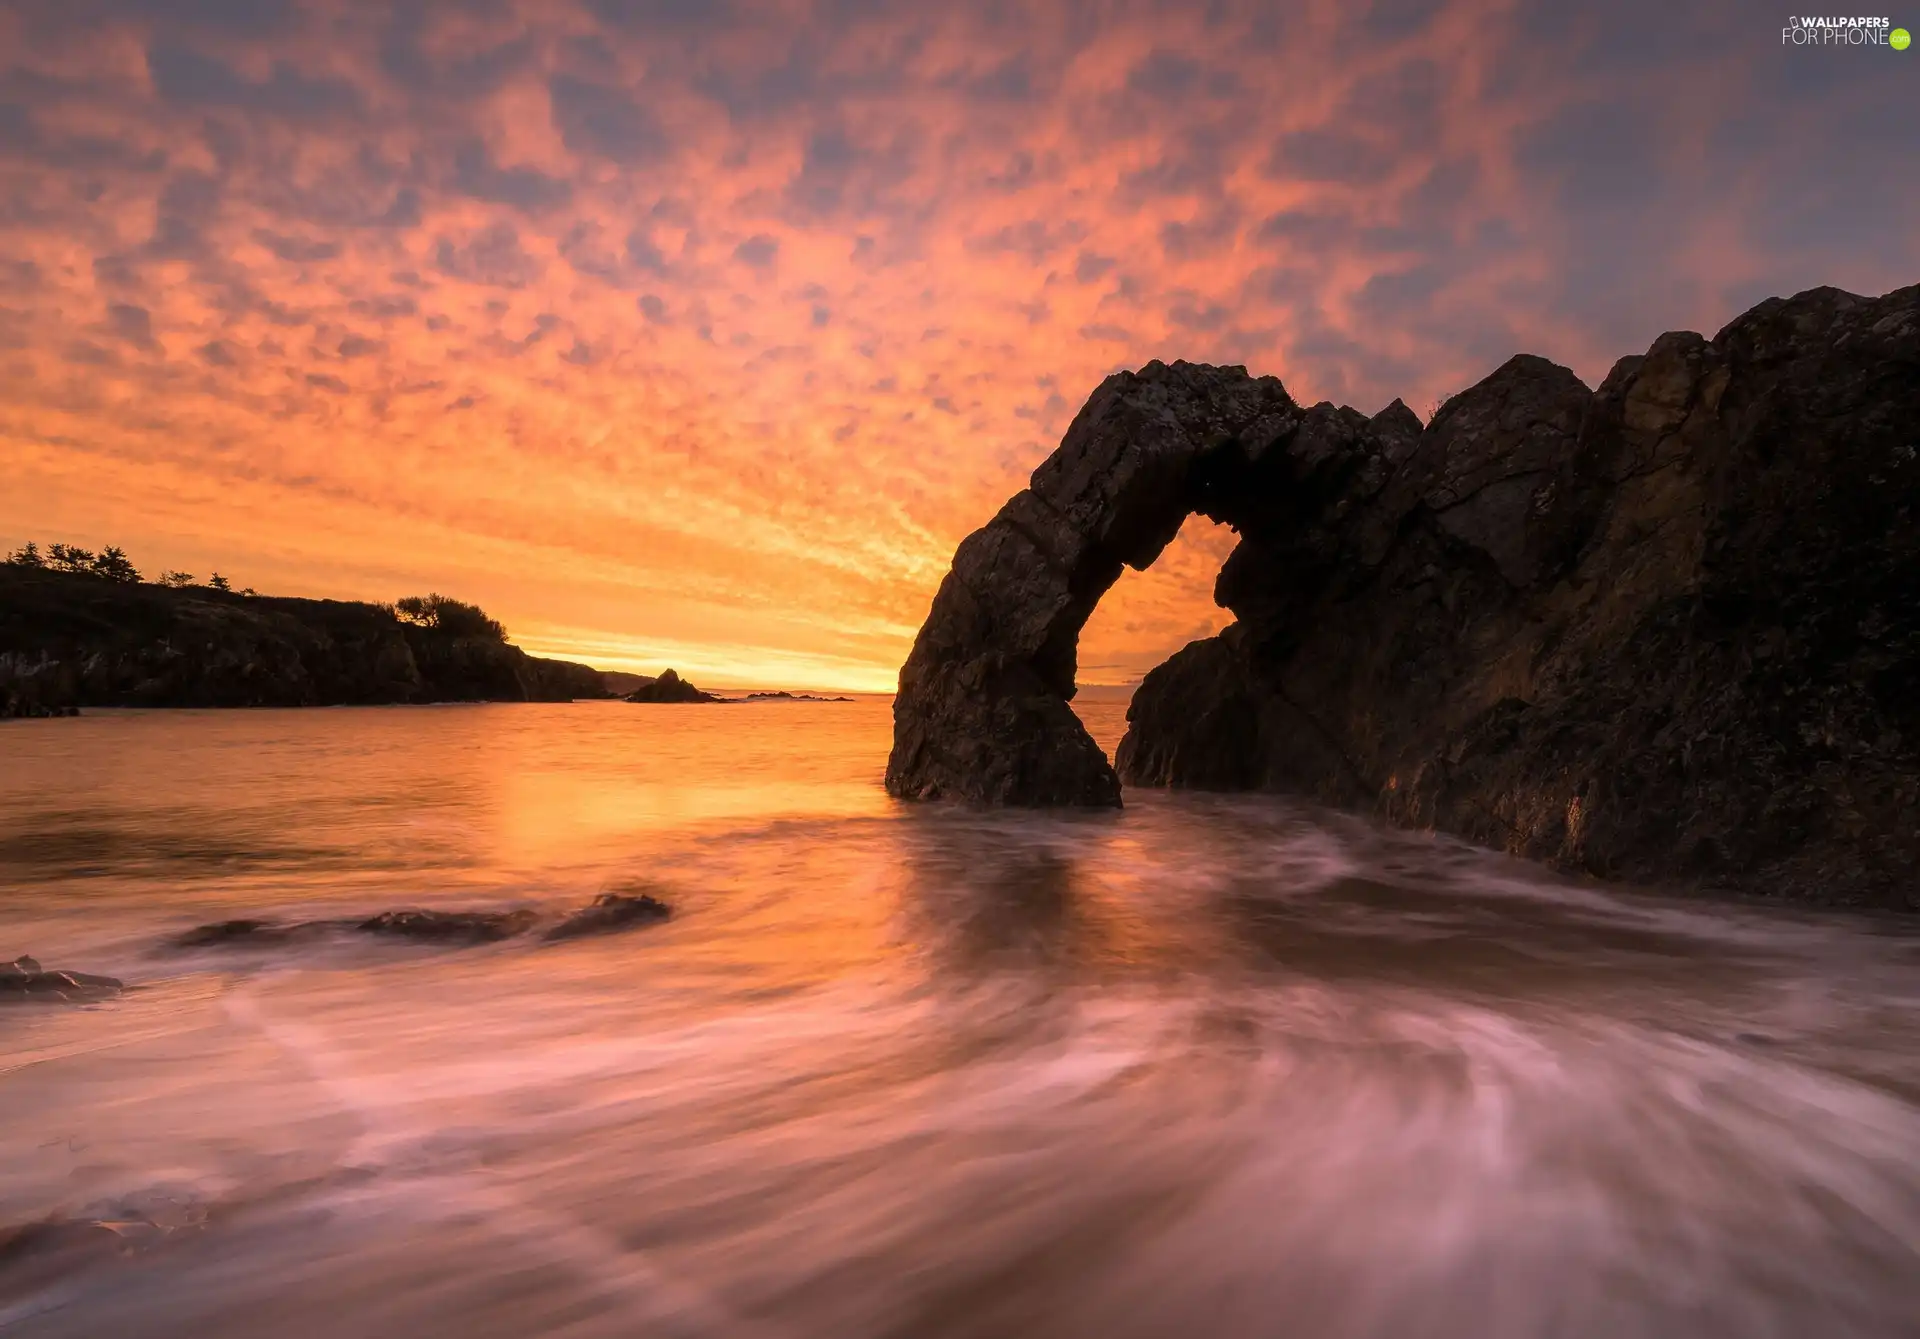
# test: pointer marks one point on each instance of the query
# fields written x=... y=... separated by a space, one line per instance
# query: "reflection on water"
x=1213 y=1065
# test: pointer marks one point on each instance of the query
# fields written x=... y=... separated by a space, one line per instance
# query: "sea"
x=1209 y=1066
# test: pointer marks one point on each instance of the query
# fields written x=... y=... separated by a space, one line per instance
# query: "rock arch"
x=982 y=710
x=1664 y=628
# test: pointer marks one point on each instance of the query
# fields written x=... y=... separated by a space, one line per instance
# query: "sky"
x=699 y=332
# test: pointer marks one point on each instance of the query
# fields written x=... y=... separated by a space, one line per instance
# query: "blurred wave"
x=1212 y=1065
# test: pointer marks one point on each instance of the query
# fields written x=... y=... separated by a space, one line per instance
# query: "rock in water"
x=1667 y=629
x=981 y=713
x=25 y=979
x=466 y=927
x=669 y=687
x=611 y=912
x=247 y=934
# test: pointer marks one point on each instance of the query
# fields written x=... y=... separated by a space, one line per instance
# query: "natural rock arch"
x=981 y=713
x=1664 y=628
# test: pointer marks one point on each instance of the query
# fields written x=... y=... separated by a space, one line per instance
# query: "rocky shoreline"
x=73 y=640
x=1664 y=630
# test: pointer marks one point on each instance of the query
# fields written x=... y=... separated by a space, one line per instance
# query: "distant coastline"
x=669 y=689
x=93 y=634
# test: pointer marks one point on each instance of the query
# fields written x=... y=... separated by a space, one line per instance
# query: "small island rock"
x=669 y=687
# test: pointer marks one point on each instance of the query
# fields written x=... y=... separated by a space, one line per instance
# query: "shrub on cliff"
x=445 y=614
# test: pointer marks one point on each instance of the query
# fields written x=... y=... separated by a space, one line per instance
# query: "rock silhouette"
x=1666 y=629
x=70 y=640
x=669 y=687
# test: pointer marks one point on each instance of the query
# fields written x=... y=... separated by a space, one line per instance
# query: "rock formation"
x=669 y=687
x=449 y=927
x=70 y=640
x=25 y=979
x=1667 y=629
x=610 y=913
x=981 y=713
x=606 y=914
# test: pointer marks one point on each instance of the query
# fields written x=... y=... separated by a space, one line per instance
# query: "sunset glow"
x=699 y=333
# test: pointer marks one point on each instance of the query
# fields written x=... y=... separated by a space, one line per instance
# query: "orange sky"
x=699 y=333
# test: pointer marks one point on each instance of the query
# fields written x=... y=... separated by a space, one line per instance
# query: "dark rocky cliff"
x=70 y=640
x=1665 y=630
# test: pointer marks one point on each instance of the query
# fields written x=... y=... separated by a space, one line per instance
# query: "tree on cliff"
x=113 y=564
x=27 y=555
x=445 y=614
x=69 y=558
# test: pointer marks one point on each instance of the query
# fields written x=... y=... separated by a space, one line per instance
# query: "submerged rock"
x=24 y=979
x=1665 y=629
x=247 y=933
x=607 y=913
x=669 y=687
x=468 y=927
x=611 y=912
x=473 y=927
x=37 y=1252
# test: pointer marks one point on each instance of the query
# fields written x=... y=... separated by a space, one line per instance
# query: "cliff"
x=70 y=640
x=1667 y=629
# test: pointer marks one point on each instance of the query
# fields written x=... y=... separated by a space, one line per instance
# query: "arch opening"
x=982 y=712
x=1143 y=619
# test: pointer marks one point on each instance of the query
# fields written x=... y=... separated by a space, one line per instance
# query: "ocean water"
x=1217 y=1066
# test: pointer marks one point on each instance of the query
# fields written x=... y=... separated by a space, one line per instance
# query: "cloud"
x=1390 y=19
x=1090 y=267
x=1329 y=154
x=298 y=250
x=1165 y=74
x=757 y=252
x=189 y=77
x=132 y=324
x=649 y=16
x=475 y=174
x=250 y=18
x=1010 y=80
x=492 y=257
x=603 y=121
